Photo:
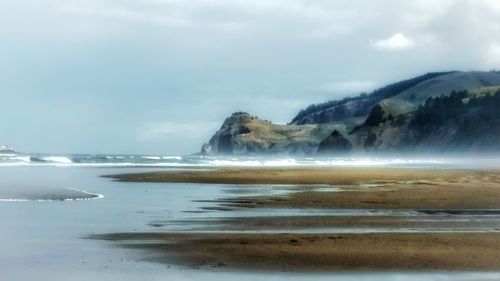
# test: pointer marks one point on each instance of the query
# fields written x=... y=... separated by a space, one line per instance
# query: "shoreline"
x=297 y=176
x=441 y=198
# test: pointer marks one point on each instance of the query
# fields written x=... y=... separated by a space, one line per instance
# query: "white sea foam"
x=290 y=162
x=200 y=161
x=49 y=200
x=281 y=162
x=91 y=196
x=57 y=159
x=172 y=157
x=162 y=157
x=94 y=195
x=102 y=165
x=151 y=157
x=26 y=159
x=375 y=162
x=247 y=163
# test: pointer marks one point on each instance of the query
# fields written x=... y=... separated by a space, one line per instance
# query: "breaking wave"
x=111 y=160
x=56 y=159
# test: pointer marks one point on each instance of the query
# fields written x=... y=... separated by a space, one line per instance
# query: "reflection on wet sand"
x=320 y=252
x=332 y=220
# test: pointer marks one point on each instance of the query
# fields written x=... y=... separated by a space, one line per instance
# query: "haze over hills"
x=440 y=111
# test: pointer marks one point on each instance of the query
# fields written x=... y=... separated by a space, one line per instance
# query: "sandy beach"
x=320 y=252
x=312 y=175
x=360 y=188
x=451 y=229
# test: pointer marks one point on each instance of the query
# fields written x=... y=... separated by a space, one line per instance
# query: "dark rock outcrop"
x=335 y=143
x=242 y=133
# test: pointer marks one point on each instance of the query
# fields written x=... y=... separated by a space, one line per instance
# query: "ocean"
x=50 y=205
x=192 y=161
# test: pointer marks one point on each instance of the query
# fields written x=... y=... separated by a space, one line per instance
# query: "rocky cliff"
x=242 y=133
x=436 y=111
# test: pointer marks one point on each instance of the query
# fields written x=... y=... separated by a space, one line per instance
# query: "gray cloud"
x=99 y=75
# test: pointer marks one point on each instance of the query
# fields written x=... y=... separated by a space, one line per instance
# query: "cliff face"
x=335 y=143
x=242 y=133
x=460 y=121
x=426 y=114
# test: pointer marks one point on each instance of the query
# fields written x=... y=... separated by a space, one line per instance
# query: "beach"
x=304 y=175
x=382 y=219
x=93 y=227
x=360 y=188
x=320 y=252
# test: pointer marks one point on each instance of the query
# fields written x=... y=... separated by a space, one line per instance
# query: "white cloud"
x=397 y=41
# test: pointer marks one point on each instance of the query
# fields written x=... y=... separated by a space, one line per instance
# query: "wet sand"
x=461 y=202
x=360 y=188
x=300 y=175
x=319 y=252
x=443 y=195
x=443 y=222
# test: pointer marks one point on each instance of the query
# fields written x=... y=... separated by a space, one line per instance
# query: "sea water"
x=107 y=160
x=45 y=237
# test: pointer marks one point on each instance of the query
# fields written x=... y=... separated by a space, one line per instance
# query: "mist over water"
x=192 y=161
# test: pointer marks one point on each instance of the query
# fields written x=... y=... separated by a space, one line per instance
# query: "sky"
x=160 y=76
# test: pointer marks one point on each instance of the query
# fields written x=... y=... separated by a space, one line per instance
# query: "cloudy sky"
x=159 y=76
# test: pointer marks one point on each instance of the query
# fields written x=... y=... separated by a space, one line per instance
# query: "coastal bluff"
x=436 y=112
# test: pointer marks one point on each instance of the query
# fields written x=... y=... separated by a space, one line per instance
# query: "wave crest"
x=110 y=160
